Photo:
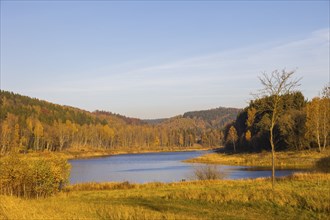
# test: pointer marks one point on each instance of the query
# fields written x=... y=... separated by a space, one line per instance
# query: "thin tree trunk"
x=325 y=132
x=318 y=128
x=325 y=141
x=273 y=121
x=273 y=156
x=318 y=139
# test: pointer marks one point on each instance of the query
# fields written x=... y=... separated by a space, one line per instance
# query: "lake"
x=151 y=167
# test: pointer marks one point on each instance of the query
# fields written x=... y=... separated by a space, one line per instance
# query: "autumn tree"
x=232 y=136
x=62 y=133
x=9 y=133
x=325 y=118
x=38 y=132
x=5 y=136
x=248 y=135
x=318 y=119
x=251 y=114
x=275 y=86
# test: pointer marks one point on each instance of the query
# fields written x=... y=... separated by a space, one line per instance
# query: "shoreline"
x=285 y=160
x=78 y=155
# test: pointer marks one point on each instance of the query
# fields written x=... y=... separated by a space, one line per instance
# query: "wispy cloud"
x=244 y=63
x=224 y=78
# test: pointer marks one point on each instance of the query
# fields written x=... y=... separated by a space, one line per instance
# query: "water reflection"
x=149 y=167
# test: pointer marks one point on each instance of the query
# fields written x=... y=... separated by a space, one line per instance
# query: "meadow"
x=306 y=159
x=301 y=196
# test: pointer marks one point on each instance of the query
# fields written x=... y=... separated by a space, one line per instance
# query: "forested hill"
x=212 y=118
x=32 y=124
x=127 y=120
x=216 y=118
x=155 y=121
x=46 y=112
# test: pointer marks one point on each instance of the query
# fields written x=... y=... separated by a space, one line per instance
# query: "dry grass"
x=301 y=196
x=284 y=160
x=79 y=152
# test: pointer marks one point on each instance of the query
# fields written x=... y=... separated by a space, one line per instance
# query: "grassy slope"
x=303 y=196
x=284 y=160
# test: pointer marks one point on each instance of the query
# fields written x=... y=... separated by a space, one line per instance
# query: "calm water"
x=149 y=167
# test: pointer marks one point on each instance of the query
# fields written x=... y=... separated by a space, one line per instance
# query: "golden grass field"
x=301 y=196
x=284 y=160
x=79 y=152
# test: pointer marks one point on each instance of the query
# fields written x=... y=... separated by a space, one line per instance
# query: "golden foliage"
x=32 y=177
x=248 y=135
x=251 y=116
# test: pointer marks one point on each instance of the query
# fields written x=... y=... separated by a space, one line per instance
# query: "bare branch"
x=275 y=85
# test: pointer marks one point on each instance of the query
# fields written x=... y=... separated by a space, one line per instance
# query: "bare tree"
x=275 y=86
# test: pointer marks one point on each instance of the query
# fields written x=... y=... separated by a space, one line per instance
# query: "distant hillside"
x=215 y=118
x=204 y=127
x=25 y=107
x=212 y=118
x=30 y=124
x=154 y=121
x=127 y=120
x=179 y=122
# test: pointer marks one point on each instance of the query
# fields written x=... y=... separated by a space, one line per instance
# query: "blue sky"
x=159 y=59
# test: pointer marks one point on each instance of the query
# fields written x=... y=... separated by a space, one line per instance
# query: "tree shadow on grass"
x=323 y=165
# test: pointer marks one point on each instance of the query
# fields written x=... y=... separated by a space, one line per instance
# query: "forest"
x=29 y=124
x=302 y=124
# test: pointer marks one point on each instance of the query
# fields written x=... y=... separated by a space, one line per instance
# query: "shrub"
x=208 y=172
x=32 y=177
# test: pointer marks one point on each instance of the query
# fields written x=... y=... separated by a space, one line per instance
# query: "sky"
x=157 y=59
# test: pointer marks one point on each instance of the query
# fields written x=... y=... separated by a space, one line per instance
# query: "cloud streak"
x=225 y=78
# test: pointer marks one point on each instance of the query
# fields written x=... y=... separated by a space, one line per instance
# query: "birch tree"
x=232 y=136
x=318 y=119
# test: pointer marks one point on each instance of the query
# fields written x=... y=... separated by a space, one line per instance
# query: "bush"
x=208 y=172
x=33 y=177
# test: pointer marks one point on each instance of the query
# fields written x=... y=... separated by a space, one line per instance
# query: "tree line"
x=33 y=125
